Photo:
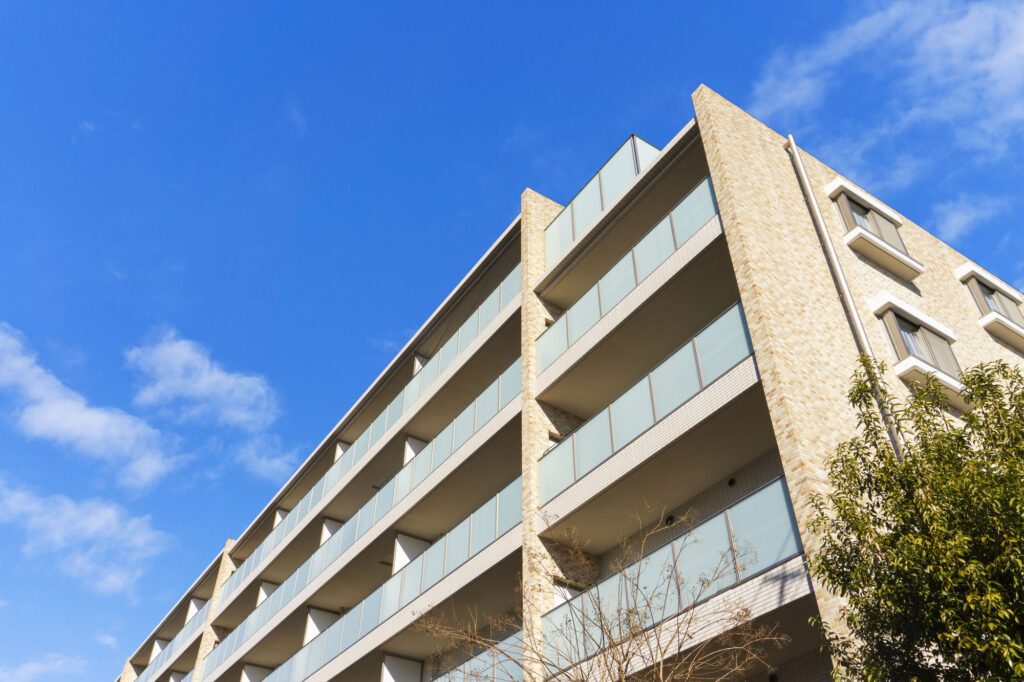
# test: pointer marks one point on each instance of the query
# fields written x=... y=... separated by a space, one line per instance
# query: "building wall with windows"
x=670 y=343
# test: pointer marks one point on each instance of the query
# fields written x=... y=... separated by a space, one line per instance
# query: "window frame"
x=896 y=321
x=1001 y=304
x=844 y=199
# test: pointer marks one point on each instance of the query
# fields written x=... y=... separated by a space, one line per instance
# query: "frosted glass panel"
x=371 y=612
x=487 y=405
x=675 y=381
x=722 y=344
x=552 y=343
x=616 y=283
x=448 y=352
x=468 y=330
x=583 y=315
x=764 y=529
x=694 y=211
x=411 y=576
x=442 y=446
x=704 y=560
x=632 y=414
x=510 y=506
x=586 y=207
x=557 y=238
x=511 y=286
x=556 y=471
x=653 y=249
x=618 y=173
x=433 y=564
x=391 y=596
x=511 y=382
x=458 y=547
x=489 y=309
x=483 y=526
x=593 y=443
x=645 y=153
x=384 y=499
x=463 y=427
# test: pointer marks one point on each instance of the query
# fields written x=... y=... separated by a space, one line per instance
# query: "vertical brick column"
x=210 y=637
x=790 y=300
x=538 y=566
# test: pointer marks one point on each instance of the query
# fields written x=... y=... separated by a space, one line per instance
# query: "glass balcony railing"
x=598 y=194
x=175 y=646
x=490 y=521
x=188 y=678
x=477 y=414
x=498 y=299
x=688 y=371
x=749 y=537
x=668 y=236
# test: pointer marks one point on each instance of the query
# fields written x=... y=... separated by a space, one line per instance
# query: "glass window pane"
x=722 y=344
x=552 y=343
x=694 y=211
x=653 y=249
x=704 y=560
x=1010 y=308
x=510 y=506
x=487 y=405
x=616 y=283
x=370 y=615
x=593 y=443
x=675 y=381
x=556 y=471
x=764 y=529
x=421 y=464
x=909 y=335
x=457 y=547
x=586 y=207
x=442 y=447
x=385 y=499
x=483 y=526
x=618 y=173
x=448 y=352
x=403 y=481
x=645 y=153
x=511 y=286
x=390 y=596
x=860 y=217
x=889 y=233
x=377 y=429
x=350 y=634
x=395 y=408
x=411 y=576
x=583 y=314
x=489 y=309
x=632 y=414
x=557 y=238
x=463 y=428
x=433 y=564
x=511 y=382
x=942 y=353
x=468 y=330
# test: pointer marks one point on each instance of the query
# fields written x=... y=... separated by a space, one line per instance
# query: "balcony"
x=498 y=517
x=686 y=224
x=596 y=197
x=482 y=323
x=914 y=370
x=444 y=456
x=186 y=638
x=891 y=256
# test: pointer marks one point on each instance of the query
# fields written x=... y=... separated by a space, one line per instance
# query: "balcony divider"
x=498 y=299
x=477 y=414
x=653 y=249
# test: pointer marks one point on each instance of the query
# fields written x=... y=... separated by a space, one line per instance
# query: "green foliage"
x=926 y=546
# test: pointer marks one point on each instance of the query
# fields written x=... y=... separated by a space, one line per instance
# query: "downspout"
x=860 y=336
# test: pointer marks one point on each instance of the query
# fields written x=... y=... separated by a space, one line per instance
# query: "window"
x=993 y=300
x=914 y=340
x=857 y=215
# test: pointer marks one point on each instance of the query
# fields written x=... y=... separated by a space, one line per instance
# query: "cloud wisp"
x=180 y=375
x=955 y=219
x=45 y=668
x=93 y=540
x=47 y=409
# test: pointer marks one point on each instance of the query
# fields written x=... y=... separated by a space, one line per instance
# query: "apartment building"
x=680 y=336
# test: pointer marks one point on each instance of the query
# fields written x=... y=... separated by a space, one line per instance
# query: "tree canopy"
x=923 y=532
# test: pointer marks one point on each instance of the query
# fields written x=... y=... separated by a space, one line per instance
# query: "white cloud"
x=107 y=640
x=180 y=374
x=298 y=120
x=953 y=65
x=52 y=666
x=264 y=456
x=86 y=128
x=956 y=218
x=93 y=540
x=48 y=409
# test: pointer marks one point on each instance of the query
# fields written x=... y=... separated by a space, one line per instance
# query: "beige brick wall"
x=210 y=636
x=802 y=340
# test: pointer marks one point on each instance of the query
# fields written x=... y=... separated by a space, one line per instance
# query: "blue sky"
x=195 y=198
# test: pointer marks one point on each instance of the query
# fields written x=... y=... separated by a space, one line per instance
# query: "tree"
x=646 y=621
x=926 y=544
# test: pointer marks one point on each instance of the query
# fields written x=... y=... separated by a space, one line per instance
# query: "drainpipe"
x=860 y=336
